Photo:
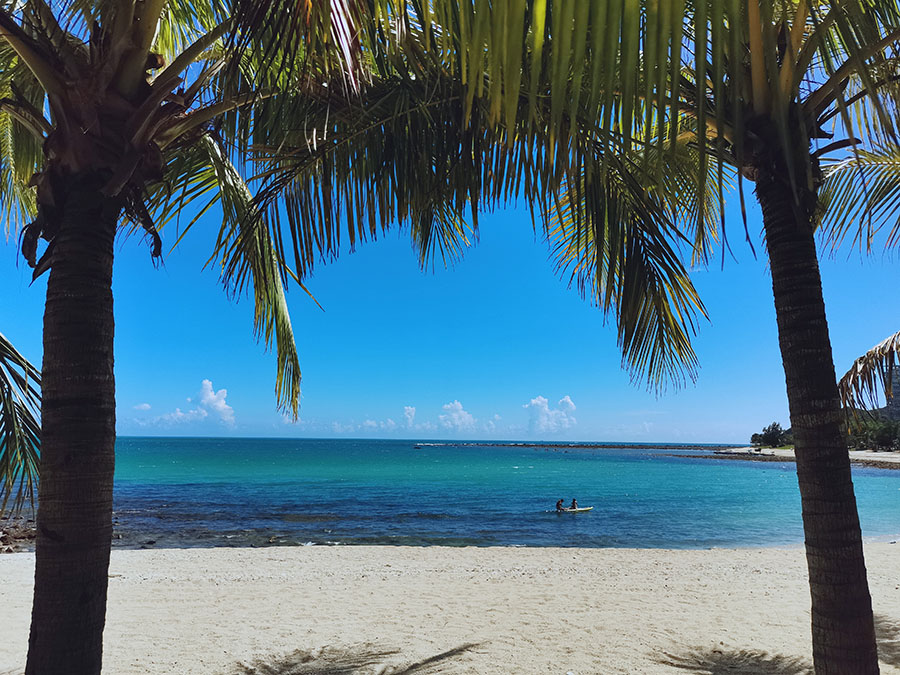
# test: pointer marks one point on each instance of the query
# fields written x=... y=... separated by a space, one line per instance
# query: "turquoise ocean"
x=198 y=492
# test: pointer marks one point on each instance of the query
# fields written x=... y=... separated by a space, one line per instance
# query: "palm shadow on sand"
x=745 y=661
x=887 y=631
x=350 y=661
x=756 y=662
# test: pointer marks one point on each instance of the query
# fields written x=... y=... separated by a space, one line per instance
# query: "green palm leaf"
x=20 y=430
x=861 y=195
x=619 y=249
x=243 y=250
x=404 y=153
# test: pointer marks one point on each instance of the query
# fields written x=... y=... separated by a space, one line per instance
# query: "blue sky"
x=497 y=347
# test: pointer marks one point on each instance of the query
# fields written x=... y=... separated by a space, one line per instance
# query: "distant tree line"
x=873 y=432
x=864 y=432
x=772 y=436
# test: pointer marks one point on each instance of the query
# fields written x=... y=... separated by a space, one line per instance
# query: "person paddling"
x=559 y=505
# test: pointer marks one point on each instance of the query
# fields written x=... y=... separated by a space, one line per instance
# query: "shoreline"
x=604 y=445
x=383 y=609
x=867 y=458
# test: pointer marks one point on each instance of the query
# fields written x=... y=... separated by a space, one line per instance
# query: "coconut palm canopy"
x=799 y=97
x=122 y=113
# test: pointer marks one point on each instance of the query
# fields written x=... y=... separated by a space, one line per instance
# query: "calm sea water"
x=241 y=492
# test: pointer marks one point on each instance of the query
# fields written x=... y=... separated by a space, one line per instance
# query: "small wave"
x=426 y=516
x=308 y=517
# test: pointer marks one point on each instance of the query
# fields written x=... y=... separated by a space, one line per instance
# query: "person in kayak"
x=559 y=505
x=574 y=504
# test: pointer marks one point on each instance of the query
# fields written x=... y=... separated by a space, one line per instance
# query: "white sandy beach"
x=882 y=459
x=380 y=610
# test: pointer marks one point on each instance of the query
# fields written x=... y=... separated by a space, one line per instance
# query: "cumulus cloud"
x=215 y=401
x=383 y=425
x=211 y=405
x=491 y=424
x=182 y=416
x=455 y=418
x=409 y=412
x=544 y=419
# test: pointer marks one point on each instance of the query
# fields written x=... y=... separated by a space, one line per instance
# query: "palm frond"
x=412 y=150
x=860 y=196
x=20 y=430
x=619 y=249
x=351 y=169
x=871 y=374
x=243 y=250
x=20 y=152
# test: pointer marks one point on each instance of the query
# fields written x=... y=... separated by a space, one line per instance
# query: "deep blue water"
x=240 y=492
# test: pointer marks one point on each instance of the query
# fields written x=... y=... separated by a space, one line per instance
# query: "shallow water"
x=239 y=492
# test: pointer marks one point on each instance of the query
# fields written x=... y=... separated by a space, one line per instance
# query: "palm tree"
x=20 y=431
x=112 y=112
x=765 y=88
x=774 y=93
x=124 y=147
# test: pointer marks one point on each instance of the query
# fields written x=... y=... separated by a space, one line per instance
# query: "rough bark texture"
x=843 y=633
x=74 y=519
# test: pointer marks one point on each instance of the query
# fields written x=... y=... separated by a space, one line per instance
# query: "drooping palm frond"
x=861 y=195
x=407 y=151
x=617 y=247
x=243 y=250
x=20 y=140
x=350 y=169
x=246 y=255
x=174 y=75
x=20 y=429
x=871 y=374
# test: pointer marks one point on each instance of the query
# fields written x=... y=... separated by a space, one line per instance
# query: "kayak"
x=580 y=509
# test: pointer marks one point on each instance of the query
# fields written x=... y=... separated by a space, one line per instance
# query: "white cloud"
x=455 y=418
x=383 y=425
x=211 y=402
x=491 y=424
x=215 y=401
x=409 y=412
x=180 y=416
x=543 y=419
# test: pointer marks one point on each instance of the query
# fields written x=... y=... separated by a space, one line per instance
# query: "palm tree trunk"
x=74 y=519
x=843 y=633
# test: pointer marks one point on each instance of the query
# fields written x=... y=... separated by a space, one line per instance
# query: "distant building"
x=892 y=409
